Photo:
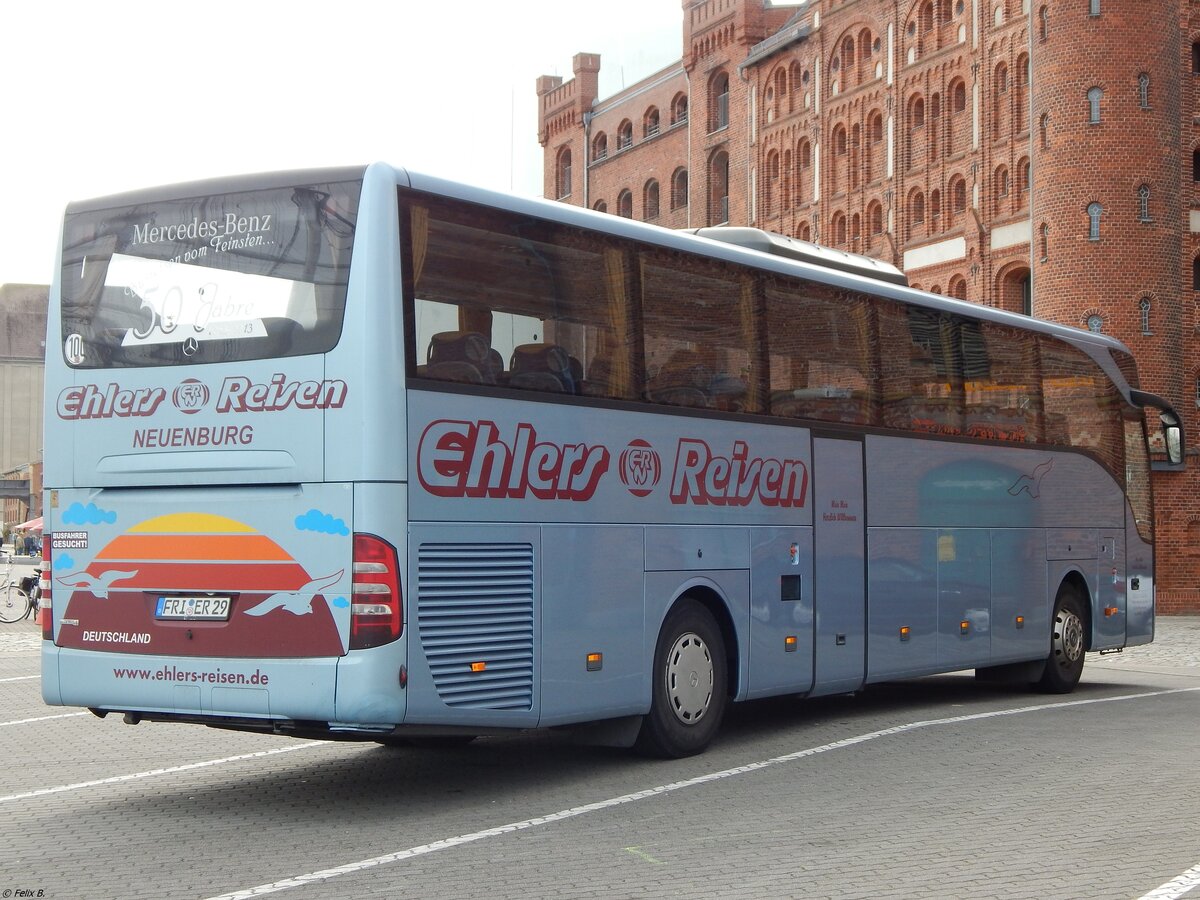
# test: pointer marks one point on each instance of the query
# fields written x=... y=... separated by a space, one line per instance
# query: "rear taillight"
x=376 y=605
x=44 y=594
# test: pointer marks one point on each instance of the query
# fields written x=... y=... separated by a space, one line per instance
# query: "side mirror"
x=1173 y=436
x=1169 y=439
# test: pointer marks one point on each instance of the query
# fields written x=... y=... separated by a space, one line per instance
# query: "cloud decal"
x=63 y=561
x=78 y=514
x=323 y=523
x=340 y=602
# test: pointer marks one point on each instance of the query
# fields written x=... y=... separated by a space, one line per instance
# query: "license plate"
x=204 y=608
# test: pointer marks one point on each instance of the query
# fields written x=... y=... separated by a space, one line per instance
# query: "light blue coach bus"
x=365 y=454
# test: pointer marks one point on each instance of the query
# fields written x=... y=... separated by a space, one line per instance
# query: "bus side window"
x=543 y=367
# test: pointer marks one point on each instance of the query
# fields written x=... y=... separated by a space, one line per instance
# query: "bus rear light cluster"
x=376 y=605
x=44 y=600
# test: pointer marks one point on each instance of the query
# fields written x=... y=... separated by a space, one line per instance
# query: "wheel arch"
x=707 y=596
x=1075 y=580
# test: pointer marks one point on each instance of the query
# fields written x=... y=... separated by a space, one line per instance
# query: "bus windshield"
x=235 y=276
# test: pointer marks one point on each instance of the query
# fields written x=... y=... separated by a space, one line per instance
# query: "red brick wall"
x=962 y=151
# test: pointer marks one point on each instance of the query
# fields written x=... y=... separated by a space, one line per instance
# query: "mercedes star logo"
x=190 y=346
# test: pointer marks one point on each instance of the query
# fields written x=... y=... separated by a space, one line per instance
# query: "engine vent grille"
x=475 y=605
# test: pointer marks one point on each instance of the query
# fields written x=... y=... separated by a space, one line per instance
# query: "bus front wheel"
x=1068 y=641
x=689 y=685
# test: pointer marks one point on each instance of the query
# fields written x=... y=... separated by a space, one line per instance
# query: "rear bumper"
x=217 y=690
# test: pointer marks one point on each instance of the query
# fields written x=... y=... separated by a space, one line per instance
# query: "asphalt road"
x=934 y=788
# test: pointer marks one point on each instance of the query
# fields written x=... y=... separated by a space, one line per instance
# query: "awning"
x=31 y=525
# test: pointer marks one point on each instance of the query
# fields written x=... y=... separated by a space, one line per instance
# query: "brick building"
x=1023 y=154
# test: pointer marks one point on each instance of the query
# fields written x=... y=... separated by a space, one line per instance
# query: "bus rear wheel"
x=1068 y=641
x=689 y=685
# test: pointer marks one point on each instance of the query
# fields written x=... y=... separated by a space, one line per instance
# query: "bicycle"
x=15 y=604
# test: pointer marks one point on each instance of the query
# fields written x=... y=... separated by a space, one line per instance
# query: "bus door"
x=839 y=565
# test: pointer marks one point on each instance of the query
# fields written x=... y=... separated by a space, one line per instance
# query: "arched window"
x=1144 y=315
x=916 y=112
x=1044 y=128
x=1094 y=96
x=1095 y=323
x=1094 y=210
x=805 y=154
x=650 y=199
x=855 y=229
x=718 y=188
x=1044 y=20
x=562 y=173
x=625 y=135
x=718 y=102
x=958 y=96
x=1144 y=90
x=958 y=287
x=1143 y=196
x=679 y=109
x=771 y=184
x=958 y=190
x=1045 y=242
x=916 y=208
x=625 y=204
x=875 y=218
x=839 y=140
x=600 y=146
x=650 y=122
x=839 y=229
x=600 y=206
x=1000 y=186
x=679 y=188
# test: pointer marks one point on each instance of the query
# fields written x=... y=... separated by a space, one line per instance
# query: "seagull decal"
x=1031 y=483
x=298 y=602
x=97 y=584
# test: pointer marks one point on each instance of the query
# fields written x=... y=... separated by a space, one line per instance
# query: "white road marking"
x=20 y=678
x=1176 y=887
x=459 y=840
x=170 y=770
x=43 y=719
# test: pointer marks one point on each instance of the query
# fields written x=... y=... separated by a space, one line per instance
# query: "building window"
x=625 y=204
x=1144 y=90
x=650 y=199
x=1095 y=323
x=600 y=206
x=1094 y=95
x=679 y=109
x=650 y=124
x=1196 y=274
x=625 y=135
x=1196 y=165
x=600 y=146
x=718 y=112
x=1144 y=315
x=1093 y=7
x=1143 y=196
x=679 y=189
x=1044 y=19
x=960 y=195
x=1045 y=242
x=1093 y=211
x=563 y=173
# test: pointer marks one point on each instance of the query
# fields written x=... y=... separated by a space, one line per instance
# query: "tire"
x=1068 y=642
x=689 y=685
x=14 y=605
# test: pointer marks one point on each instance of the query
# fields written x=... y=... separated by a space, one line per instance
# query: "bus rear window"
x=220 y=278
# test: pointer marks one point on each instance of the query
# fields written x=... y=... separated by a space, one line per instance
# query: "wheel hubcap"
x=689 y=678
x=1068 y=638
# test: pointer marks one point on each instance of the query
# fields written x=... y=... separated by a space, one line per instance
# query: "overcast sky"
x=107 y=97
